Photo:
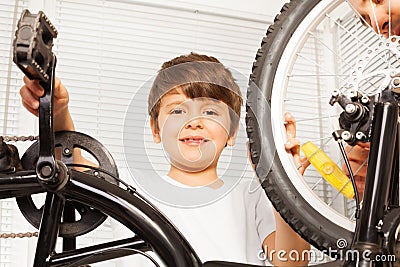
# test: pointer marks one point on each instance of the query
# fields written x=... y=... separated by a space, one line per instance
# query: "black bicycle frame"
x=132 y=210
x=381 y=188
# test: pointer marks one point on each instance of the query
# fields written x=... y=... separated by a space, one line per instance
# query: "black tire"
x=297 y=212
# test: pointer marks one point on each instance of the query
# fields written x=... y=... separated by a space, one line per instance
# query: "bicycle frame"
x=133 y=212
x=378 y=222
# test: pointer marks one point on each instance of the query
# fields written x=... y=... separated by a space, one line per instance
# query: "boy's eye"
x=210 y=112
x=177 y=111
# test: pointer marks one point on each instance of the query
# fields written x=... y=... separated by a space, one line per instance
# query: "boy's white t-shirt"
x=232 y=228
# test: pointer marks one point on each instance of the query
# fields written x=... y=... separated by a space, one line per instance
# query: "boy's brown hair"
x=195 y=76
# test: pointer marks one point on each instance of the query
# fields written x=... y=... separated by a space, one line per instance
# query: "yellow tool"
x=328 y=169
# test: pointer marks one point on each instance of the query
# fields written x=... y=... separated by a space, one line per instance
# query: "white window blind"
x=10 y=76
x=12 y=252
x=108 y=49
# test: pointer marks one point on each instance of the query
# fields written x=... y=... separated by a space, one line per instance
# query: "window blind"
x=9 y=74
x=108 y=50
x=11 y=251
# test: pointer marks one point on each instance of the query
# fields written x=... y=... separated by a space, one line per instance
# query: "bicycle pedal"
x=328 y=169
x=9 y=158
x=33 y=44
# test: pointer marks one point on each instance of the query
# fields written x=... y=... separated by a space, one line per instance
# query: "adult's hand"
x=293 y=144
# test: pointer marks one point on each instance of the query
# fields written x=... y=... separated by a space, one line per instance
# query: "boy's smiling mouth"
x=193 y=140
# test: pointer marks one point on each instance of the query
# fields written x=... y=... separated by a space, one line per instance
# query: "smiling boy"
x=194 y=133
x=194 y=105
x=194 y=108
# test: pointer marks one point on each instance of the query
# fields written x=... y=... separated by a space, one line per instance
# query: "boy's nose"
x=195 y=123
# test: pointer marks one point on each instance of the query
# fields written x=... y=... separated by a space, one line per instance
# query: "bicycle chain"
x=19 y=235
x=21 y=139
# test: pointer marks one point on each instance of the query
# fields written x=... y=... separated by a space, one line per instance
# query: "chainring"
x=90 y=218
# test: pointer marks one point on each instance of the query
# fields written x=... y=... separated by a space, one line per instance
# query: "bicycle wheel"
x=313 y=48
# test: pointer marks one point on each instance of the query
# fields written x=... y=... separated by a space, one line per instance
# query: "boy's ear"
x=155 y=132
x=232 y=138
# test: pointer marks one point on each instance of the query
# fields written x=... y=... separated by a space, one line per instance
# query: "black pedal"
x=33 y=44
x=9 y=158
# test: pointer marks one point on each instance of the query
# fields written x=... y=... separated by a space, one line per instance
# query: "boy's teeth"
x=194 y=140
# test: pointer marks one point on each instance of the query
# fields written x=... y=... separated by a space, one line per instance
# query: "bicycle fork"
x=368 y=239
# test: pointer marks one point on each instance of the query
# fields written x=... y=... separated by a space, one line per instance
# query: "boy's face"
x=193 y=131
x=382 y=15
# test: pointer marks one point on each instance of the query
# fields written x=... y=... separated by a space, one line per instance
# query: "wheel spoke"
x=375 y=18
x=390 y=18
x=313 y=119
x=330 y=49
x=316 y=75
x=312 y=62
x=316 y=184
x=306 y=98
